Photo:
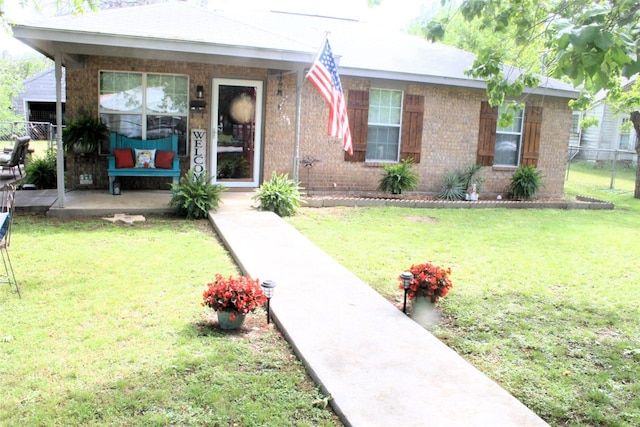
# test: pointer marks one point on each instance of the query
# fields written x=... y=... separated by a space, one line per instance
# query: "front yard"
x=110 y=331
x=545 y=302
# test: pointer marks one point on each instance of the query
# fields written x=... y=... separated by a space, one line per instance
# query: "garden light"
x=406 y=277
x=269 y=288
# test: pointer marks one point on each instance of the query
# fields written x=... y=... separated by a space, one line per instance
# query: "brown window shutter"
x=412 y=123
x=358 y=113
x=531 y=136
x=487 y=134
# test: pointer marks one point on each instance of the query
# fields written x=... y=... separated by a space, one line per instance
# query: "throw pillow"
x=124 y=158
x=145 y=158
x=164 y=159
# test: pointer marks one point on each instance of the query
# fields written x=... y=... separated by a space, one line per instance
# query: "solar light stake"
x=268 y=287
x=406 y=277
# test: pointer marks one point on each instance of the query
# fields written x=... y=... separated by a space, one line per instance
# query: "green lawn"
x=545 y=302
x=110 y=331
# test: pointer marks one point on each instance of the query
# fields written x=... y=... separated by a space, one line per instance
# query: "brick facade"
x=449 y=140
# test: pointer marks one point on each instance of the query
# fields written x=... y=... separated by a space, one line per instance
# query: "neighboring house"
x=239 y=78
x=610 y=138
x=37 y=102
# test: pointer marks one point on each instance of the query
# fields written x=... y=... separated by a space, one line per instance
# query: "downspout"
x=60 y=149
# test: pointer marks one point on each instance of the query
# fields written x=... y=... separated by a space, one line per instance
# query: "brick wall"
x=449 y=140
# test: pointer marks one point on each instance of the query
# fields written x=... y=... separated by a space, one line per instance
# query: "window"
x=624 y=141
x=507 y=149
x=146 y=106
x=386 y=125
x=576 y=116
x=516 y=145
x=385 y=113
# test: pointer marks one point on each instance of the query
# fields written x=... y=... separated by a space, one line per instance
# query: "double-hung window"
x=509 y=140
x=513 y=146
x=386 y=125
x=625 y=140
x=145 y=105
x=385 y=117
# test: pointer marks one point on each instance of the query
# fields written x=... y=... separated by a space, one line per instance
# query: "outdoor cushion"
x=145 y=158
x=164 y=159
x=124 y=158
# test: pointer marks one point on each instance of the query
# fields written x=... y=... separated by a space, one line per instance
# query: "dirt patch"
x=421 y=219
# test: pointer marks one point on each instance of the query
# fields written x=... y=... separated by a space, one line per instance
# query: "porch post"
x=59 y=150
x=296 y=153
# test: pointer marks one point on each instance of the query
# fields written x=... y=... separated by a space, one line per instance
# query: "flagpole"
x=296 y=144
x=301 y=76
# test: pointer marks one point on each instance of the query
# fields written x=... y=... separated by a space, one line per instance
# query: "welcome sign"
x=198 y=151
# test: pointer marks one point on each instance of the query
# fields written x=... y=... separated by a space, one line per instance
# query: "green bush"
x=453 y=187
x=41 y=171
x=280 y=195
x=398 y=177
x=195 y=195
x=526 y=181
x=455 y=184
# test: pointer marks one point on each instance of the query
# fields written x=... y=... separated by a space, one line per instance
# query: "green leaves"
x=195 y=195
x=280 y=195
x=398 y=177
x=590 y=45
x=526 y=181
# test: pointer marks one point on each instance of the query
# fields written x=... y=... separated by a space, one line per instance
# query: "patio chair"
x=7 y=206
x=15 y=157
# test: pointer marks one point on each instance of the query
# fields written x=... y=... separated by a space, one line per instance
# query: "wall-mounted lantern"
x=199 y=105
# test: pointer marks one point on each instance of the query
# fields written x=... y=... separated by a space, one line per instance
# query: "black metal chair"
x=16 y=157
x=7 y=206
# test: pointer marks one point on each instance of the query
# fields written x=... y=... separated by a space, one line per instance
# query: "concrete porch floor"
x=94 y=202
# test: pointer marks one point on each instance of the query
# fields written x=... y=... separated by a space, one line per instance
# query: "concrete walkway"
x=379 y=366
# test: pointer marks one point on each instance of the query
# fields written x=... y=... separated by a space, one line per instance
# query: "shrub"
x=526 y=181
x=280 y=195
x=471 y=175
x=455 y=184
x=41 y=171
x=195 y=195
x=398 y=177
x=453 y=187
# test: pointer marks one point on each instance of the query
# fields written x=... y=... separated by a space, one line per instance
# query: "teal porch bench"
x=169 y=167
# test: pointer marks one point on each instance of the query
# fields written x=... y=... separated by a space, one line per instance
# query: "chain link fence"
x=612 y=163
x=37 y=131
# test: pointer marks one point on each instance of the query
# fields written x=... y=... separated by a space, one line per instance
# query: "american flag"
x=324 y=76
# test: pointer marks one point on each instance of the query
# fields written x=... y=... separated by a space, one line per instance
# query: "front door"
x=237 y=122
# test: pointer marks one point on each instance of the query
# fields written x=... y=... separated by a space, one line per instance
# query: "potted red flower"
x=232 y=298
x=429 y=281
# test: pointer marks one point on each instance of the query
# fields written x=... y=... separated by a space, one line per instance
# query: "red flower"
x=238 y=295
x=429 y=281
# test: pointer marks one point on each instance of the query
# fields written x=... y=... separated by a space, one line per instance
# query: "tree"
x=595 y=45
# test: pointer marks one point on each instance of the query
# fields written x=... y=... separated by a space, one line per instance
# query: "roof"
x=265 y=39
x=42 y=86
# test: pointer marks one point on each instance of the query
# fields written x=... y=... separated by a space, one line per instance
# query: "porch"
x=94 y=203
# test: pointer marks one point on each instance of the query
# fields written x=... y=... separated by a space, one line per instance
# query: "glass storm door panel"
x=237 y=125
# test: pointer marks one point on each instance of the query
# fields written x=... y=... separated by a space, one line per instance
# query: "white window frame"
x=515 y=132
x=576 y=117
x=629 y=132
x=398 y=126
x=144 y=113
